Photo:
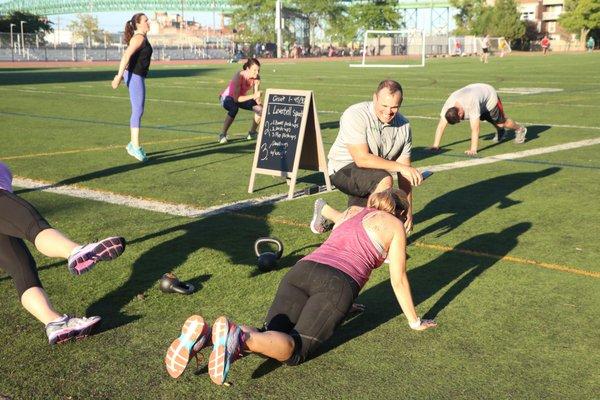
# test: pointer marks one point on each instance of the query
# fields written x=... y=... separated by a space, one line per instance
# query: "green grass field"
x=504 y=255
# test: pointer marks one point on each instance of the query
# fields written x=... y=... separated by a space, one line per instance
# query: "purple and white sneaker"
x=84 y=258
x=67 y=328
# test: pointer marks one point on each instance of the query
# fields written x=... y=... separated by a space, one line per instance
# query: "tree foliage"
x=86 y=27
x=34 y=25
x=254 y=21
x=350 y=25
x=506 y=20
x=475 y=17
x=581 y=16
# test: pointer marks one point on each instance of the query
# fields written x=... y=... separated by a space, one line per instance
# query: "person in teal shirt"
x=590 y=44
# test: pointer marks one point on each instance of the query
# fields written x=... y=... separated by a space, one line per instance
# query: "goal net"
x=393 y=49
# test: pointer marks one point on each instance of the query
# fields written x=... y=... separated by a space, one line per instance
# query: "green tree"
x=319 y=13
x=506 y=20
x=473 y=18
x=580 y=17
x=350 y=25
x=35 y=25
x=85 y=27
x=254 y=21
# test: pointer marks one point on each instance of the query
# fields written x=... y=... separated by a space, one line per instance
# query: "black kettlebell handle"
x=270 y=240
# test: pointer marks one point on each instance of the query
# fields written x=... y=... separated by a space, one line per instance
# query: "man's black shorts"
x=358 y=183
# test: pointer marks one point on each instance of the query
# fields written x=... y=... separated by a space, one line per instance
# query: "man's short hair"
x=452 y=116
x=391 y=85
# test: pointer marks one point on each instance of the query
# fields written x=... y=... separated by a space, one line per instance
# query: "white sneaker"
x=68 y=328
x=222 y=138
x=520 y=135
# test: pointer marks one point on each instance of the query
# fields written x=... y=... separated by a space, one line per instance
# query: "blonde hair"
x=391 y=201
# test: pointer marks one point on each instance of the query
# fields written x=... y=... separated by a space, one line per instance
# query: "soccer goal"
x=394 y=49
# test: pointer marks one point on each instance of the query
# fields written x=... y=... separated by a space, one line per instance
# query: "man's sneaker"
x=136 y=152
x=222 y=138
x=320 y=224
x=228 y=340
x=520 y=135
x=499 y=136
x=85 y=257
x=251 y=135
x=195 y=335
x=68 y=328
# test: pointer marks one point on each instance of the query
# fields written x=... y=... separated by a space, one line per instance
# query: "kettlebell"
x=268 y=260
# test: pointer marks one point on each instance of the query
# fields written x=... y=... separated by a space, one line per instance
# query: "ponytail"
x=250 y=62
x=391 y=201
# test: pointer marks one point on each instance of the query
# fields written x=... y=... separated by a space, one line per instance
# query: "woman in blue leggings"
x=134 y=69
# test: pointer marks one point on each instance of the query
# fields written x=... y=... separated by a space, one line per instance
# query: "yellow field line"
x=445 y=249
x=56 y=153
x=519 y=260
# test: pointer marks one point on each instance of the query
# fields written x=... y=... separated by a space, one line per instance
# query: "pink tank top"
x=350 y=249
x=245 y=85
x=5 y=178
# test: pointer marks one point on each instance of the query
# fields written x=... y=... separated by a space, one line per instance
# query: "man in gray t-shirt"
x=476 y=102
x=374 y=140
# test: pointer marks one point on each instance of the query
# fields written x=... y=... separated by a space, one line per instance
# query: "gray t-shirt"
x=476 y=99
x=360 y=125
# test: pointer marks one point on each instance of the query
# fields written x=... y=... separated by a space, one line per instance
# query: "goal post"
x=393 y=49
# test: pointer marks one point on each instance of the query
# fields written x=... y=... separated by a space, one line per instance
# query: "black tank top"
x=140 y=60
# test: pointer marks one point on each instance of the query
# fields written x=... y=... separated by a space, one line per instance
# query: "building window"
x=551 y=26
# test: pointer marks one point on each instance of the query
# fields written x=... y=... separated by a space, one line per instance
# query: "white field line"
x=512 y=156
x=181 y=210
x=216 y=104
x=184 y=210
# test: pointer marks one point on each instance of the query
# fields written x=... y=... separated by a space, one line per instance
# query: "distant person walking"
x=475 y=102
x=134 y=69
x=485 y=48
x=590 y=44
x=235 y=97
x=20 y=221
x=545 y=43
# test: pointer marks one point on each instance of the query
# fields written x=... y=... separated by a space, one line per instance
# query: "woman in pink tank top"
x=314 y=297
x=235 y=97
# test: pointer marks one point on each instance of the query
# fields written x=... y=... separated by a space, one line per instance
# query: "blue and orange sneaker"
x=85 y=257
x=228 y=342
x=67 y=328
x=195 y=335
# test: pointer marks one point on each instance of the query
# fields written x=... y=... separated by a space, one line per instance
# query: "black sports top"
x=140 y=60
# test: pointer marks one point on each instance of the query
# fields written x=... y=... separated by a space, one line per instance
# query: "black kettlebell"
x=268 y=260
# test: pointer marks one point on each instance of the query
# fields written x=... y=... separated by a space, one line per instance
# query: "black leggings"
x=311 y=302
x=19 y=220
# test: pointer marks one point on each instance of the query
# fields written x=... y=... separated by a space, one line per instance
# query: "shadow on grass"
x=465 y=203
x=236 y=147
x=454 y=268
x=213 y=233
x=54 y=76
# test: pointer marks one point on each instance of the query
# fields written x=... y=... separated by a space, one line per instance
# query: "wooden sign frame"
x=310 y=153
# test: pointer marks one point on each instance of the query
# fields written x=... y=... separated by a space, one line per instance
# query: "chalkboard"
x=289 y=137
x=281 y=131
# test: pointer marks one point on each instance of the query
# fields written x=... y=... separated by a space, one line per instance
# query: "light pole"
x=22 y=37
x=12 y=44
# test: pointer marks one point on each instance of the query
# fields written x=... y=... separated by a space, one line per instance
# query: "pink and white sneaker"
x=87 y=256
x=68 y=328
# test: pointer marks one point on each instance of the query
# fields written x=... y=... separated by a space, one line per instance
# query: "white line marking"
x=184 y=210
x=181 y=210
x=511 y=156
x=216 y=104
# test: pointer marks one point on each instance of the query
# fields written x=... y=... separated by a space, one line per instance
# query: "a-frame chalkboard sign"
x=289 y=137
